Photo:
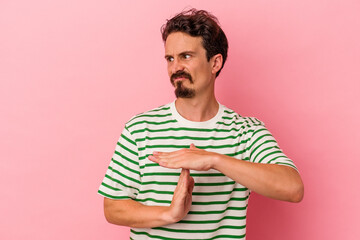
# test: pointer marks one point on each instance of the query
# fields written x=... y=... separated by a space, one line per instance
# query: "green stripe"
x=255 y=149
x=262 y=136
x=153 y=123
x=228 y=118
x=213 y=221
x=156 y=192
x=194 y=193
x=193 y=203
x=160 y=108
x=178 y=174
x=125 y=167
x=128 y=139
x=159 y=183
x=127 y=149
x=124 y=176
x=199 y=230
x=207 y=175
x=220 y=202
x=274 y=159
x=233 y=154
x=167 y=238
x=215 y=183
x=110 y=187
x=161 y=174
x=147 y=165
x=200 y=147
x=192 y=137
x=126 y=158
x=153 y=200
x=111 y=196
x=287 y=164
x=196 y=184
x=121 y=183
x=268 y=155
x=229 y=112
x=151 y=115
x=286 y=159
x=231 y=123
x=217 y=193
x=227 y=154
x=185 y=129
x=237 y=153
x=265 y=149
x=218 y=211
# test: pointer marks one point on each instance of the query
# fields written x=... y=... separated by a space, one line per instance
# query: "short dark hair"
x=199 y=23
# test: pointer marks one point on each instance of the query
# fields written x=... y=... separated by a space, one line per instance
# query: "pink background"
x=73 y=72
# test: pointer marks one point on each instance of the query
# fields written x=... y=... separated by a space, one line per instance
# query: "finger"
x=186 y=176
x=160 y=160
x=191 y=185
x=169 y=154
x=153 y=158
x=182 y=174
x=183 y=179
x=181 y=190
x=189 y=182
x=193 y=147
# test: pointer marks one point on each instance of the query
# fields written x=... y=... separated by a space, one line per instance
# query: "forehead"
x=179 y=42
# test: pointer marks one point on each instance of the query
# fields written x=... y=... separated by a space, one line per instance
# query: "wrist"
x=214 y=163
x=167 y=216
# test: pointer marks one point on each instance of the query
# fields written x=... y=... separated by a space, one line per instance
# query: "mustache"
x=179 y=74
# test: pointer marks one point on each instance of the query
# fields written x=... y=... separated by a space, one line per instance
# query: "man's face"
x=189 y=71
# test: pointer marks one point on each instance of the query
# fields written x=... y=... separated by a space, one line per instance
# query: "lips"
x=180 y=79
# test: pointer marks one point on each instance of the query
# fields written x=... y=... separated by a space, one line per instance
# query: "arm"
x=271 y=180
x=134 y=214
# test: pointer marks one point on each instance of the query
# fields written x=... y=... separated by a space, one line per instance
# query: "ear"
x=217 y=61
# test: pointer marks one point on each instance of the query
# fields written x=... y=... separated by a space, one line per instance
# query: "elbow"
x=108 y=216
x=115 y=215
x=112 y=213
x=296 y=194
x=112 y=218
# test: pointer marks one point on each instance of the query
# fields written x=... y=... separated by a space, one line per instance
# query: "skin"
x=186 y=53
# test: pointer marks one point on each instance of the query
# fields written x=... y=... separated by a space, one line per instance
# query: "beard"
x=180 y=90
x=183 y=92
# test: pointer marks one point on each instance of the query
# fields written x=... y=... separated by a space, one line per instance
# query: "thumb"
x=192 y=146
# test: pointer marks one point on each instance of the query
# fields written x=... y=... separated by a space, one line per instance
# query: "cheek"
x=169 y=70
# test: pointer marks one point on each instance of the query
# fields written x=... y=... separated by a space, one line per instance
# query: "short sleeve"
x=122 y=179
x=264 y=148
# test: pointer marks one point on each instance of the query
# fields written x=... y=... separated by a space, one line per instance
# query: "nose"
x=176 y=66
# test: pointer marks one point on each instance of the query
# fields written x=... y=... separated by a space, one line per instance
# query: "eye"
x=187 y=56
x=169 y=59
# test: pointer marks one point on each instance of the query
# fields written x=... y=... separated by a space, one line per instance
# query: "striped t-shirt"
x=219 y=204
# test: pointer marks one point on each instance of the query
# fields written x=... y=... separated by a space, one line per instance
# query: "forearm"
x=271 y=180
x=134 y=214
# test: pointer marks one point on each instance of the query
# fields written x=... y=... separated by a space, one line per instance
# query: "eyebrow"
x=182 y=53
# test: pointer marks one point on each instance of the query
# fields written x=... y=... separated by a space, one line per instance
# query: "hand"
x=182 y=199
x=188 y=158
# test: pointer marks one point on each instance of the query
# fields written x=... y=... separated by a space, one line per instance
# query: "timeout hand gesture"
x=187 y=158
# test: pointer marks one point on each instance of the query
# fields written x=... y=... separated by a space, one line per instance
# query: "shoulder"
x=243 y=121
x=154 y=115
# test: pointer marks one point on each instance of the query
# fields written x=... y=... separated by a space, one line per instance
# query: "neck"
x=197 y=110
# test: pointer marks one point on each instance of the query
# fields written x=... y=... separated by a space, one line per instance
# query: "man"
x=185 y=170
